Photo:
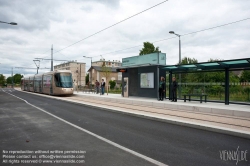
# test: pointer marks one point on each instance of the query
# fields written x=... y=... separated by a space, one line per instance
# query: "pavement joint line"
x=223 y=130
x=95 y=135
x=176 y=115
x=196 y=112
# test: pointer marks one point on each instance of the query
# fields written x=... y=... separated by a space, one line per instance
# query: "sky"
x=61 y=23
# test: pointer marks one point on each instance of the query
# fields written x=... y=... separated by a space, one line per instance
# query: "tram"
x=53 y=83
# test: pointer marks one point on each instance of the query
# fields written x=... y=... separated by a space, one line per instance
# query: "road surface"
x=26 y=127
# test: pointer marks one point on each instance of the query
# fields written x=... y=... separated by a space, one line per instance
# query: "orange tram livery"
x=52 y=83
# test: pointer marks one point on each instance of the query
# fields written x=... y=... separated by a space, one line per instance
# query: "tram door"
x=125 y=87
x=51 y=85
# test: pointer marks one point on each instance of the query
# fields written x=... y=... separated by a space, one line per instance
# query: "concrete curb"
x=222 y=130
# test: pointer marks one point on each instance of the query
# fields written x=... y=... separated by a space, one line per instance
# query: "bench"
x=89 y=90
x=199 y=95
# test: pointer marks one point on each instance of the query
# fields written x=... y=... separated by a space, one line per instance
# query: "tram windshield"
x=63 y=80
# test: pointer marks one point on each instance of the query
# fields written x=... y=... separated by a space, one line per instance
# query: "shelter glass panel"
x=239 y=86
x=211 y=84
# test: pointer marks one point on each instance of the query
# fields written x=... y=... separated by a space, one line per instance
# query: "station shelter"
x=220 y=80
x=141 y=77
x=141 y=74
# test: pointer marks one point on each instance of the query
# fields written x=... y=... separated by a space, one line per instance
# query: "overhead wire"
x=153 y=41
x=177 y=37
x=110 y=26
x=216 y=27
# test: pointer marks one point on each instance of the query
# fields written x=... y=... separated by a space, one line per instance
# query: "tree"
x=190 y=76
x=187 y=60
x=148 y=48
x=16 y=79
x=9 y=80
x=214 y=60
x=112 y=84
x=2 y=80
x=87 y=79
x=105 y=72
x=245 y=76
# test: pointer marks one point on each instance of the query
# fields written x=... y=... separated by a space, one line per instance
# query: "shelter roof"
x=210 y=66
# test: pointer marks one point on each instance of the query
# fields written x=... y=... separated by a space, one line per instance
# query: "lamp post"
x=51 y=69
x=91 y=70
x=11 y=23
x=12 y=78
x=172 y=32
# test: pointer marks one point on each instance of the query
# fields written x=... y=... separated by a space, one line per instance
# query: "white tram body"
x=52 y=83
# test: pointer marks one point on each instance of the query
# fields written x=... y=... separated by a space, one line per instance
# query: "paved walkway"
x=217 y=117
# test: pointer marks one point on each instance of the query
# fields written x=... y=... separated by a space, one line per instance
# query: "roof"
x=141 y=65
x=114 y=61
x=238 y=72
x=69 y=62
x=51 y=72
x=99 y=68
x=210 y=66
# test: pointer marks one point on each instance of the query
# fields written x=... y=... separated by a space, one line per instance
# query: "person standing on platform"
x=162 y=87
x=103 y=86
x=97 y=86
x=174 y=90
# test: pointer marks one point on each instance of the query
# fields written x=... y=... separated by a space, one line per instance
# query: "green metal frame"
x=224 y=65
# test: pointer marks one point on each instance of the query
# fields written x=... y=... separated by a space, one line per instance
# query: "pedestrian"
x=97 y=86
x=162 y=88
x=103 y=86
x=174 y=90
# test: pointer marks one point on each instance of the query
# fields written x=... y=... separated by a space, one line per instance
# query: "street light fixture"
x=172 y=32
x=90 y=71
x=11 y=23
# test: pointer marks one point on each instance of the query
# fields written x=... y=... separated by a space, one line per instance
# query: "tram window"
x=63 y=80
x=57 y=80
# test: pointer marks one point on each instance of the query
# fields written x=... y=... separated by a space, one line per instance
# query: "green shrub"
x=112 y=84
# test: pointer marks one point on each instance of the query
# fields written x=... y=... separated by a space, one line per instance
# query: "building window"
x=119 y=75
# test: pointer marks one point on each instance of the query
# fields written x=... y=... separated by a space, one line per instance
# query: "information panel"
x=147 y=80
